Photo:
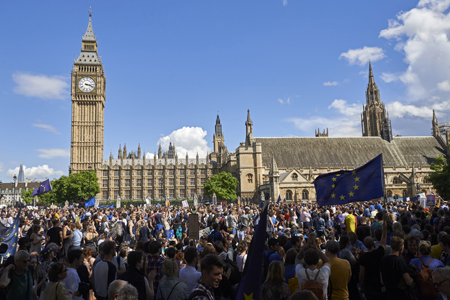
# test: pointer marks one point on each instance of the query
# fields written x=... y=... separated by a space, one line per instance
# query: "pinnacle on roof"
x=248 y=116
x=371 y=80
x=89 y=35
x=218 y=119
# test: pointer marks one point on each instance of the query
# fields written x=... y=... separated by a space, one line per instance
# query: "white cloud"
x=287 y=101
x=41 y=86
x=330 y=83
x=362 y=56
x=422 y=35
x=348 y=122
x=388 y=77
x=47 y=127
x=149 y=155
x=187 y=139
x=364 y=73
x=285 y=2
x=39 y=172
x=399 y=110
x=444 y=86
x=52 y=153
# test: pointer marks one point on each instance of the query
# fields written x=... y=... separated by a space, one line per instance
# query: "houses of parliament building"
x=269 y=166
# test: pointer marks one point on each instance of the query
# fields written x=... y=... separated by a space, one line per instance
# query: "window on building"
x=192 y=172
x=105 y=183
x=202 y=171
x=127 y=195
x=249 y=178
x=138 y=182
x=105 y=173
x=305 y=195
x=171 y=194
x=138 y=173
x=116 y=182
x=202 y=191
x=105 y=195
x=127 y=182
x=389 y=193
x=160 y=193
x=138 y=194
x=426 y=179
x=170 y=172
x=150 y=193
x=160 y=172
x=288 y=195
x=116 y=194
x=192 y=193
x=160 y=182
x=192 y=181
x=182 y=181
x=182 y=193
x=396 y=181
x=203 y=180
x=127 y=173
x=295 y=177
x=116 y=173
x=171 y=181
x=149 y=172
x=181 y=172
x=150 y=182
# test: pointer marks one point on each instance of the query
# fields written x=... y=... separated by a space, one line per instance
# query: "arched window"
x=288 y=195
x=389 y=193
x=396 y=181
x=426 y=179
x=295 y=177
x=305 y=195
x=249 y=178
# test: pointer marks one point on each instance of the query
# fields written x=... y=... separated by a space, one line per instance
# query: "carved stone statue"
x=214 y=199
x=96 y=203
x=66 y=204
x=239 y=200
x=195 y=200
x=263 y=197
x=118 y=202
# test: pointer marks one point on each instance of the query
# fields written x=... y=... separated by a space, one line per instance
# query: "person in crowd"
x=72 y=281
x=128 y=292
x=274 y=287
x=170 y=287
x=289 y=264
x=212 y=270
x=189 y=273
x=56 y=290
x=155 y=260
x=18 y=278
x=54 y=235
x=241 y=257
x=104 y=271
x=340 y=272
x=114 y=288
x=411 y=245
x=136 y=275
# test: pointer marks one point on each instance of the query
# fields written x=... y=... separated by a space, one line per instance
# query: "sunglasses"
x=440 y=282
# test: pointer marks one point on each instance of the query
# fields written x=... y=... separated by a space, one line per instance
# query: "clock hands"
x=88 y=84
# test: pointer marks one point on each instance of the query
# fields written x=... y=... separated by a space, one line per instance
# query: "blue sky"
x=172 y=65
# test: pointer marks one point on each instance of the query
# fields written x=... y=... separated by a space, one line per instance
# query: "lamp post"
x=14 y=188
x=89 y=182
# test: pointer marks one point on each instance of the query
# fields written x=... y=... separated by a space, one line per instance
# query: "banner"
x=185 y=203
x=193 y=227
x=431 y=200
x=224 y=204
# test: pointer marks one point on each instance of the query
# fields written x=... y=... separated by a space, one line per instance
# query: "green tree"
x=223 y=184
x=440 y=178
x=72 y=187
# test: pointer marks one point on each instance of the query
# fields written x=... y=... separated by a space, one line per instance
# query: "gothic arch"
x=305 y=195
x=294 y=177
x=288 y=195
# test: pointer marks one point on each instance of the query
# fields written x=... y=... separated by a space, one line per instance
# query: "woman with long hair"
x=56 y=290
x=274 y=288
x=90 y=238
x=241 y=257
x=67 y=237
x=36 y=239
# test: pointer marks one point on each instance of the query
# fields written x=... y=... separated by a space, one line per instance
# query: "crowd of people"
x=367 y=250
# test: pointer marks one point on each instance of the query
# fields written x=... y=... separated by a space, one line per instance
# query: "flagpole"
x=384 y=181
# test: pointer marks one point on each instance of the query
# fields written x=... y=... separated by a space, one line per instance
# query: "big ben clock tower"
x=88 y=105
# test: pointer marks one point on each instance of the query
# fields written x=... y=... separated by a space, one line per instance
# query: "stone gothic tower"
x=88 y=104
x=248 y=130
x=375 y=119
x=218 y=138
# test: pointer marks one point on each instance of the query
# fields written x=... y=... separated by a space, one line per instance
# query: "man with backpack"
x=312 y=278
x=215 y=234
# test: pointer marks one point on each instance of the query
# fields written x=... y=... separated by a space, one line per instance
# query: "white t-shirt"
x=71 y=282
x=240 y=261
x=323 y=277
x=121 y=262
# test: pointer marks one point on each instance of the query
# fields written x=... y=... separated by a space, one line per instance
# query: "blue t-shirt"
x=435 y=263
x=273 y=257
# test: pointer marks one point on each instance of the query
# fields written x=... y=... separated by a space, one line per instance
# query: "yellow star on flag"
x=355 y=187
x=351 y=194
x=248 y=297
x=333 y=195
x=338 y=175
x=342 y=197
x=15 y=234
x=8 y=255
x=8 y=233
x=356 y=178
x=14 y=227
x=333 y=186
x=354 y=173
x=14 y=245
x=334 y=178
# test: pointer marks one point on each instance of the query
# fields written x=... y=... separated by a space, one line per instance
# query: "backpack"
x=197 y=293
x=293 y=284
x=235 y=276
x=425 y=282
x=314 y=286
x=222 y=224
x=266 y=266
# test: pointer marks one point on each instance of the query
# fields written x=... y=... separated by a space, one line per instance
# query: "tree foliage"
x=441 y=177
x=223 y=184
x=73 y=187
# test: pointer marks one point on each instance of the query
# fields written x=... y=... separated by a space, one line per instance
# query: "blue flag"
x=250 y=286
x=43 y=188
x=10 y=236
x=362 y=184
x=90 y=202
x=279 y=199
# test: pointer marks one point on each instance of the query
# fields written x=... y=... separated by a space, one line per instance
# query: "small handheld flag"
x=43 y=188
x=279 y=199
x=362 y=184
x=90 y=202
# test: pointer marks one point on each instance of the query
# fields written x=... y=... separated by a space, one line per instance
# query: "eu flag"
x=250 y=286
x=362 y=184
x=10 y=236
x=43 y=188
x=279 y=199
x=90 y=202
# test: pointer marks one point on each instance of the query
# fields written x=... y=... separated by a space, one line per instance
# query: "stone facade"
x=264 y=167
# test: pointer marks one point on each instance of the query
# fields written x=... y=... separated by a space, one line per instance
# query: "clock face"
x=86 y=84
